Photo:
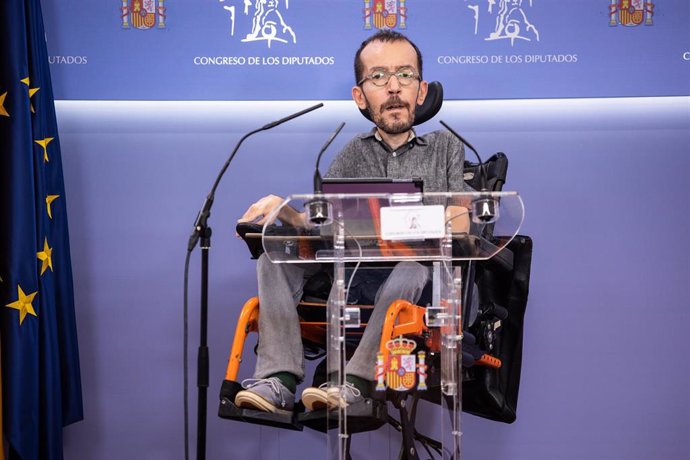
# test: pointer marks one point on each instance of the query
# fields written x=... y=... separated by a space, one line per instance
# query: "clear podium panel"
x=413 y=351
x=395 y=227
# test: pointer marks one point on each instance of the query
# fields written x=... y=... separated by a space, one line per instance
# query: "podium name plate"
x=412 y=222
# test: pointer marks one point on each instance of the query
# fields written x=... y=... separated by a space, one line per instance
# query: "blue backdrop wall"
x=591 y=107
x=605 y=374
x=216 y=50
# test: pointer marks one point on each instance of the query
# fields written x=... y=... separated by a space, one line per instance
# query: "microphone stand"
x=202 y=234
x=203 y=355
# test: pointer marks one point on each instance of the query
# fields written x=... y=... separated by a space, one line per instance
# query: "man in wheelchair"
x=389 y=87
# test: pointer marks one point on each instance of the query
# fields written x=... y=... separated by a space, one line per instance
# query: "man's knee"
x=413 y=272
x=406 y=281
x=263 y=263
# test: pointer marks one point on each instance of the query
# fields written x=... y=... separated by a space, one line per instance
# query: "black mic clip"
x=319 y=211
x=484 y=208
x=201 y=229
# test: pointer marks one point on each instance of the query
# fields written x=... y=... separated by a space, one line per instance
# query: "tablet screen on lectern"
x=372 y=185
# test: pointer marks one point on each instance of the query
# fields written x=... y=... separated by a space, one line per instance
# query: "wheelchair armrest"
x=251 y=234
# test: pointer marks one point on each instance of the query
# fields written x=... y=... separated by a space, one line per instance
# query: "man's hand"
x=459 y=218
x=259 y=211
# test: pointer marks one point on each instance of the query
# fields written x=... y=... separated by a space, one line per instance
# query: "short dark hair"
x=385 y=35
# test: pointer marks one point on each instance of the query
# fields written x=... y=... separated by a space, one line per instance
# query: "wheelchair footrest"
x=367 y=415
x=230 y=411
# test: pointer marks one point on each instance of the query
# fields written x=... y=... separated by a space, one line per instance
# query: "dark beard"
x=396 y=126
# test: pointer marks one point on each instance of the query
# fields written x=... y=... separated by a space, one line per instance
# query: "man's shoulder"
x=441 y=142
x=368 y=136
x=439 y=135
x=360 y=140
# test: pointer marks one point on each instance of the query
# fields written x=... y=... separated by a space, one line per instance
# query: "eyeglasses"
x=405 y=76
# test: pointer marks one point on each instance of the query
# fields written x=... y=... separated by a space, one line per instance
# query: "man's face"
x=392 y=106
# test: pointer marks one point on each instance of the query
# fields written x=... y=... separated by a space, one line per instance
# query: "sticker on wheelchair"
x=400 y=370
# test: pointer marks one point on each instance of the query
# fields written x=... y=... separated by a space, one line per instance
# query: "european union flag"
x=41 y=385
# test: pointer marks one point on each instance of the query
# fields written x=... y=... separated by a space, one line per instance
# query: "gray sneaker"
x=268 y=395
x=331 y=397
x=315 y=398
x=338 y=397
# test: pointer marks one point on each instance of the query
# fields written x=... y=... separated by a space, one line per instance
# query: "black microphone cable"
x=185 y=365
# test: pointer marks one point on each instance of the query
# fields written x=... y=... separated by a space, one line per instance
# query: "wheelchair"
x=492 y=335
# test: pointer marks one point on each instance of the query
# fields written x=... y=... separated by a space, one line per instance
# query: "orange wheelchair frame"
x=402 y=318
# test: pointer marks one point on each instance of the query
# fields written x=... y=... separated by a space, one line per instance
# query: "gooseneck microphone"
x=318 y=209
x=205 y=212
x=202 y=232
x=464 y=141
x=317 y=173
x=290 y=117
x=485 y=207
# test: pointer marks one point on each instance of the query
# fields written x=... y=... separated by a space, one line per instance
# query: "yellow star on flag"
x=46 y=257
x=49 y=200
x=32 y=91
x=44 y=143
x=3 y=112
x=23 y=304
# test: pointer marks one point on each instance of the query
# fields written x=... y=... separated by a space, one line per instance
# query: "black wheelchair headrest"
x=432 y=104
